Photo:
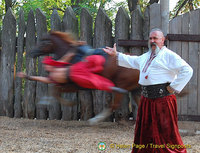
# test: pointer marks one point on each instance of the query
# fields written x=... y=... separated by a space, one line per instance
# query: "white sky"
x=172 y=3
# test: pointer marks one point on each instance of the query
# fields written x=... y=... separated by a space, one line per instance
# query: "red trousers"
x=156 y=128
x=86 y=73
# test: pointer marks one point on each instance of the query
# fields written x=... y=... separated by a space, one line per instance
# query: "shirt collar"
x=158 y=50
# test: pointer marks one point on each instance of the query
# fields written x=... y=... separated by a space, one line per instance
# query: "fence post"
x=20 y=50
x=175 y=28
x=29 y=104
x=102 y=37
x=70 y=24
x=7 y=64
x=155 y=17
x=185 y=56
x=85 y=97
x=164 y=9
x=122 y=28
x=194 y=63
x=54 y=107
x=41 y=88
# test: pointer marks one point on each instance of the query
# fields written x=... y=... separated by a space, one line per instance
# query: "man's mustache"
x=153 y=44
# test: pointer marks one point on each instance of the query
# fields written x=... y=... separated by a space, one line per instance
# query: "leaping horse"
x=61 y=43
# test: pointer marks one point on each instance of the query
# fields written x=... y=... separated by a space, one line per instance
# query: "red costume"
x=156 y=128
x=86 y=73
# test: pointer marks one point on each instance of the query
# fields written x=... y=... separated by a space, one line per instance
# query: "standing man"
x=162 y=73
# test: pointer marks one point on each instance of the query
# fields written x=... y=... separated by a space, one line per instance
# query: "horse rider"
x=85 y=73
x=162 y=74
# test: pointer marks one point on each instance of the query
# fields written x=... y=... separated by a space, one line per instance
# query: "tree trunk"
x=132 y=5
x=8 y=4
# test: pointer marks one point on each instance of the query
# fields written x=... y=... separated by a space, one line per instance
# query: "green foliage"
x=184 y=6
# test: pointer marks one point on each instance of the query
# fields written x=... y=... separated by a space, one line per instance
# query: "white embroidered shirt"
x=167 y=66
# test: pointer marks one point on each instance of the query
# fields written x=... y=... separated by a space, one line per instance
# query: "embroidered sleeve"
x=128 y=61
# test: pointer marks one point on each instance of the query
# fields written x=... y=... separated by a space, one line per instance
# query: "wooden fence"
x=16 y=101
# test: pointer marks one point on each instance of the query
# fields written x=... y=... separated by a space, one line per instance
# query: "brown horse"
x=60 y=43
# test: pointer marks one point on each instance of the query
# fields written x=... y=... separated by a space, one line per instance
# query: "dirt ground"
x=24 y=135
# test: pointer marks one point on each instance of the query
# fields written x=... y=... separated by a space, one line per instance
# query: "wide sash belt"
x=155 y=91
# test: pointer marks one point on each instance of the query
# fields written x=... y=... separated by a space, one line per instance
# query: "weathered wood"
x=155 y=17
x=133 y=43
x=136 y=30
x=7 y=64
x=198 y=12
x=85 y=97
x=20 y=50
x=164 y=9
x=183 y=37
x=86 y=24
x=54 y=108
x=146 y=23
x=193 y=61
x=175 y=27
x=185 y=56
x=102 y=37
x=41 y=29
x=30 y=86
x=70 y=113
x=55 y=21
x=70 y=22
x=122 y=32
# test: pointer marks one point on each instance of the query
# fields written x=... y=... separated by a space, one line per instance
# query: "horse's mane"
x=66 y=37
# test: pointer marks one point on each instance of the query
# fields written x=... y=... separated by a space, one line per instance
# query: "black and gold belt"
x=155 y=91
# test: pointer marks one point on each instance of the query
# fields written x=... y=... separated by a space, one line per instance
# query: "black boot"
x=119 y=90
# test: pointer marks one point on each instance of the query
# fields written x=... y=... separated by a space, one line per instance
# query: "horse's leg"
x=57 y=94
x=107 y=111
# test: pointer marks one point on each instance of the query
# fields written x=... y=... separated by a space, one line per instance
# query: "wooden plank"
x=41 y=88
x=84 y=96
x=122 y=32
x=198 y=91
x=133 y=43
x=193 y=61
x=195 y=118
x=54 y=108
x=175 y=27
x=185 y=56
x=146 y=26
x=20 y=50
x=29 y=106
x=85 y=28
x=183 y=37
x=102 y=37
x=136 y=30
x=55 y=21
x=164 y=9
x=155 y=17
x=7 y=64
x=70 y=24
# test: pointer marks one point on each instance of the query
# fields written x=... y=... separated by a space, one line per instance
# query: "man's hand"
x=170 y=89
x=111 y=51
x=21 y=75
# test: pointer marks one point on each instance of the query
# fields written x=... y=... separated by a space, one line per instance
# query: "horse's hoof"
x=100 y=117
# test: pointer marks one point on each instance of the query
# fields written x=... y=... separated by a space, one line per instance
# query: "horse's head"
x=58 y=43
x=45 y=46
